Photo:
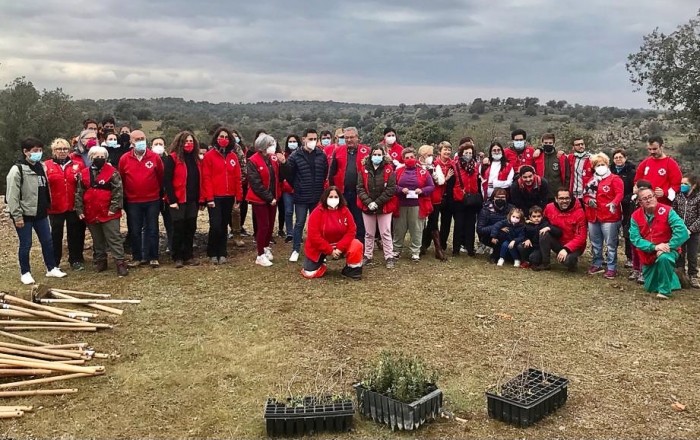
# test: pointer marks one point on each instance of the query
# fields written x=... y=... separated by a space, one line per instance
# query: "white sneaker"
x=516 y=263
x=263 y=261
x=500 y=262
x=462 y=250
x=268 y=254
x=294 y=257
x=27 y=278
x=55 y=273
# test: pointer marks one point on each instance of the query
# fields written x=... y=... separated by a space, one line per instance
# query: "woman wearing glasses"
x=62 y=175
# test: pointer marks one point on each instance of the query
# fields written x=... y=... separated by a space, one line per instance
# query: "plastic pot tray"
x=284 y=420
x=527 y=398
x=395 y=414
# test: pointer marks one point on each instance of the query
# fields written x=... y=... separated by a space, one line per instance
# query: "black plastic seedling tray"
x=395 y=414
x=527 y=398
x=312 y=417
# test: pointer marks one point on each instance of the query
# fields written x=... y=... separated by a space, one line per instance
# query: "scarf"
x=469 y=166
x=592 y=186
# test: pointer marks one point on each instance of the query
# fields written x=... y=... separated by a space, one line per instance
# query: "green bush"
x=400 y=377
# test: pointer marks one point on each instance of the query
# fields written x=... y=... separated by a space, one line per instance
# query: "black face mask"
x=99 y=162
x=500 y=203
x=548 y=148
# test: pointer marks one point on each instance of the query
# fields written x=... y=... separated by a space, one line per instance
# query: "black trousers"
x=532 y=255
x=219 y=219
x=75 y=230
x=443 y=213
x=465 y=226
x=549 y=244
x=184 y=227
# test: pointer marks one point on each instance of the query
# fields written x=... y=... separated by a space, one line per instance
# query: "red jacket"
x=261 y=167
x=572 y=223
x=502 y=175
x=287 y=187
x=394 y=151
x=439 y=191
x=525 y=157
x=97 y=198
x=659 y=231
x=221 y=175
x=180 y=180
x=341 y=159
x=77 y=158
x=610 y=190
x=464 y=183
x=662 y=173
x=142 y=179
x=328 y=228
x=62 y=182
x=587 y=172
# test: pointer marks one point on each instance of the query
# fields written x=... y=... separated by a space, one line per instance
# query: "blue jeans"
x=301 y=210
x=142 y=219
x=604 y=232
x=512 y=253
x=43 y=231
x=288 y=213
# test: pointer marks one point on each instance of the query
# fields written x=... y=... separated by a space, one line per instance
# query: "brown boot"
x=122 y=270
x=100 y=265
x=439 y=252
x=236 y=227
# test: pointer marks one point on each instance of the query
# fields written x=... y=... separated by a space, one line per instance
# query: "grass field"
x=208 y=344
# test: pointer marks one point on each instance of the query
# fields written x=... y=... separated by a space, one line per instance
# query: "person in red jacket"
x=567 y=234
x=467 y=199
x=141 y=171
x=345 y=163
x=520 y=153
x=392 y=146
x=603 y=204
x=62 y=175
x=332 y=234
x=181 y=181
x=264 y=189
x=661 y=170
x=221 y=190
x=98 y=201
x=580 y=170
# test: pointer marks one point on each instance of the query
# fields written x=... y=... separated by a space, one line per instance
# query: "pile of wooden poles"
x=27 y=362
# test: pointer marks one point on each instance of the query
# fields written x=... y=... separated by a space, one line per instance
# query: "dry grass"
x=209 y=344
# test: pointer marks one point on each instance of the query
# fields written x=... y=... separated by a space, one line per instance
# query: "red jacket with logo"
x=62 y=182
x=610 y=190
x=328 y=228
x=221 y=175
x=98 y=195
x=502 y=175
x=180 y=180
x=662 y=173
x=265 y=178
x=142 y=179
x=394 y=151
x=439 y=190
x=572 y=223
x=657 y=232
x=525 y=157
x=341 y=159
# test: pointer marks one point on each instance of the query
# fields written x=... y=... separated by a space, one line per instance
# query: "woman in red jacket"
x=62 y=174
x=467 y=199
x=332 y=233
x=181 y=180
x=602 y=199
x=221 y=190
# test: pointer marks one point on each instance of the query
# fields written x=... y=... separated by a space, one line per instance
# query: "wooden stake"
x=68 y=329
x=23 y=372
x=79 y=345
x=43 y=350
x=15 y=314
x=16 y=408
x=23 y=302
x=58 y=366
x=23 y=383
x=41 y=313
x=22 y=338
x=38 y=392
x=11 y=414
x=79 y=293
x=100 y=307
x=56 y=324
x=32 y=354
x=88 y=301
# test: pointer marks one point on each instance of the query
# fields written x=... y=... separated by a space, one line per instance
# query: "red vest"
x=62 y=183
x=97 y=196
x=439 y=191
x=341 y=160
x=425 y=205
x=656 y=232
x=516 y=160
x=610 y=190
x=180 y=179
x=470 y=182
x=389 y=207
x=395 y=151
x=264 y=172
x=502 y=175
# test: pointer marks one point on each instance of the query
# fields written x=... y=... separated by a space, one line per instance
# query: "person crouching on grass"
x=507 y=235
x=529 y=250
x=658 y=232
x=331 y=232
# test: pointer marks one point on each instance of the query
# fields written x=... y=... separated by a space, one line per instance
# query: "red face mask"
x=410 y=163
x=223 y=142
x=90 y=143
x=188 y=147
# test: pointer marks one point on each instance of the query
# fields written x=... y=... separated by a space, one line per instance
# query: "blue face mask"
x=377 y=159
x=112 y=144
x=341 y=141
x=35 y=157
x=685 y=188
x=237 y=139
x=325 y=142
x=140 y=146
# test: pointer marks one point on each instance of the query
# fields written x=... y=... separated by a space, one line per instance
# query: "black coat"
x=307 y=173
x=527 y=199
x=627 y=175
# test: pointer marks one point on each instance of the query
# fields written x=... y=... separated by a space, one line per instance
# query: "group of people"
x=519 y=203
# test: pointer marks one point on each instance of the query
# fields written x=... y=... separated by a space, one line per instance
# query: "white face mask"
x=310 y=145
x=390 y=140
x=601 y=170
x=519 y=145
x=429 y=160
x=293 y=145
x=158 y=149
x=333 y=202
x=271 y=149
x=497 y=156
x=515 y=220
x=201 y=157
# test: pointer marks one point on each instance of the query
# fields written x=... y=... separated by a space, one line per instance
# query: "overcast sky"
x=367 y=51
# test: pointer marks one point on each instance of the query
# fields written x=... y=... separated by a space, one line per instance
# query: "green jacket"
x=22 y=194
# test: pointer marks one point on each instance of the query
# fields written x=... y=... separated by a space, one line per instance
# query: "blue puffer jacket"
x=307 y=172
x=489 y=216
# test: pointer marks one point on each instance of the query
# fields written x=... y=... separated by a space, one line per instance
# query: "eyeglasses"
x=61 y=149
x=647 y=198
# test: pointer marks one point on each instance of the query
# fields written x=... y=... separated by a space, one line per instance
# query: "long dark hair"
x=324 y=197
x=217 y=132
x=288 y=150
x=178 y=143
x=503 y=160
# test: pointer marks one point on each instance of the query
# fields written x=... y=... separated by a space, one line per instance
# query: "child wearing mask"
x=507 y=234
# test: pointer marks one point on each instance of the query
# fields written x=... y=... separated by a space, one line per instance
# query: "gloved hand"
x=396 y=163
x=373 y=206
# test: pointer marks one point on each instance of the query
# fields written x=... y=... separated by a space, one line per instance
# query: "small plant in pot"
x=399 y=391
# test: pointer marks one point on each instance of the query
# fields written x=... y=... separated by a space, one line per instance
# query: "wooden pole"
x=22 y=338
x=38 y=392
x=42 y=350
x=56 y=324
x=15 y=314
x=23 y=372
x=79 y=345
x=23 y=302
x=22 y=383
x=41 y=313
x=68 y=329
x=88 y=301
x=79 y=293
x=16 y=408
x=11 y=414
x=101 y=307
x=32 y=354
x=58 y=366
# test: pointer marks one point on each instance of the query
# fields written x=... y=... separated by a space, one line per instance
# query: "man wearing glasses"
x=567 y=234
x=580 y=169
x=658 y=232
